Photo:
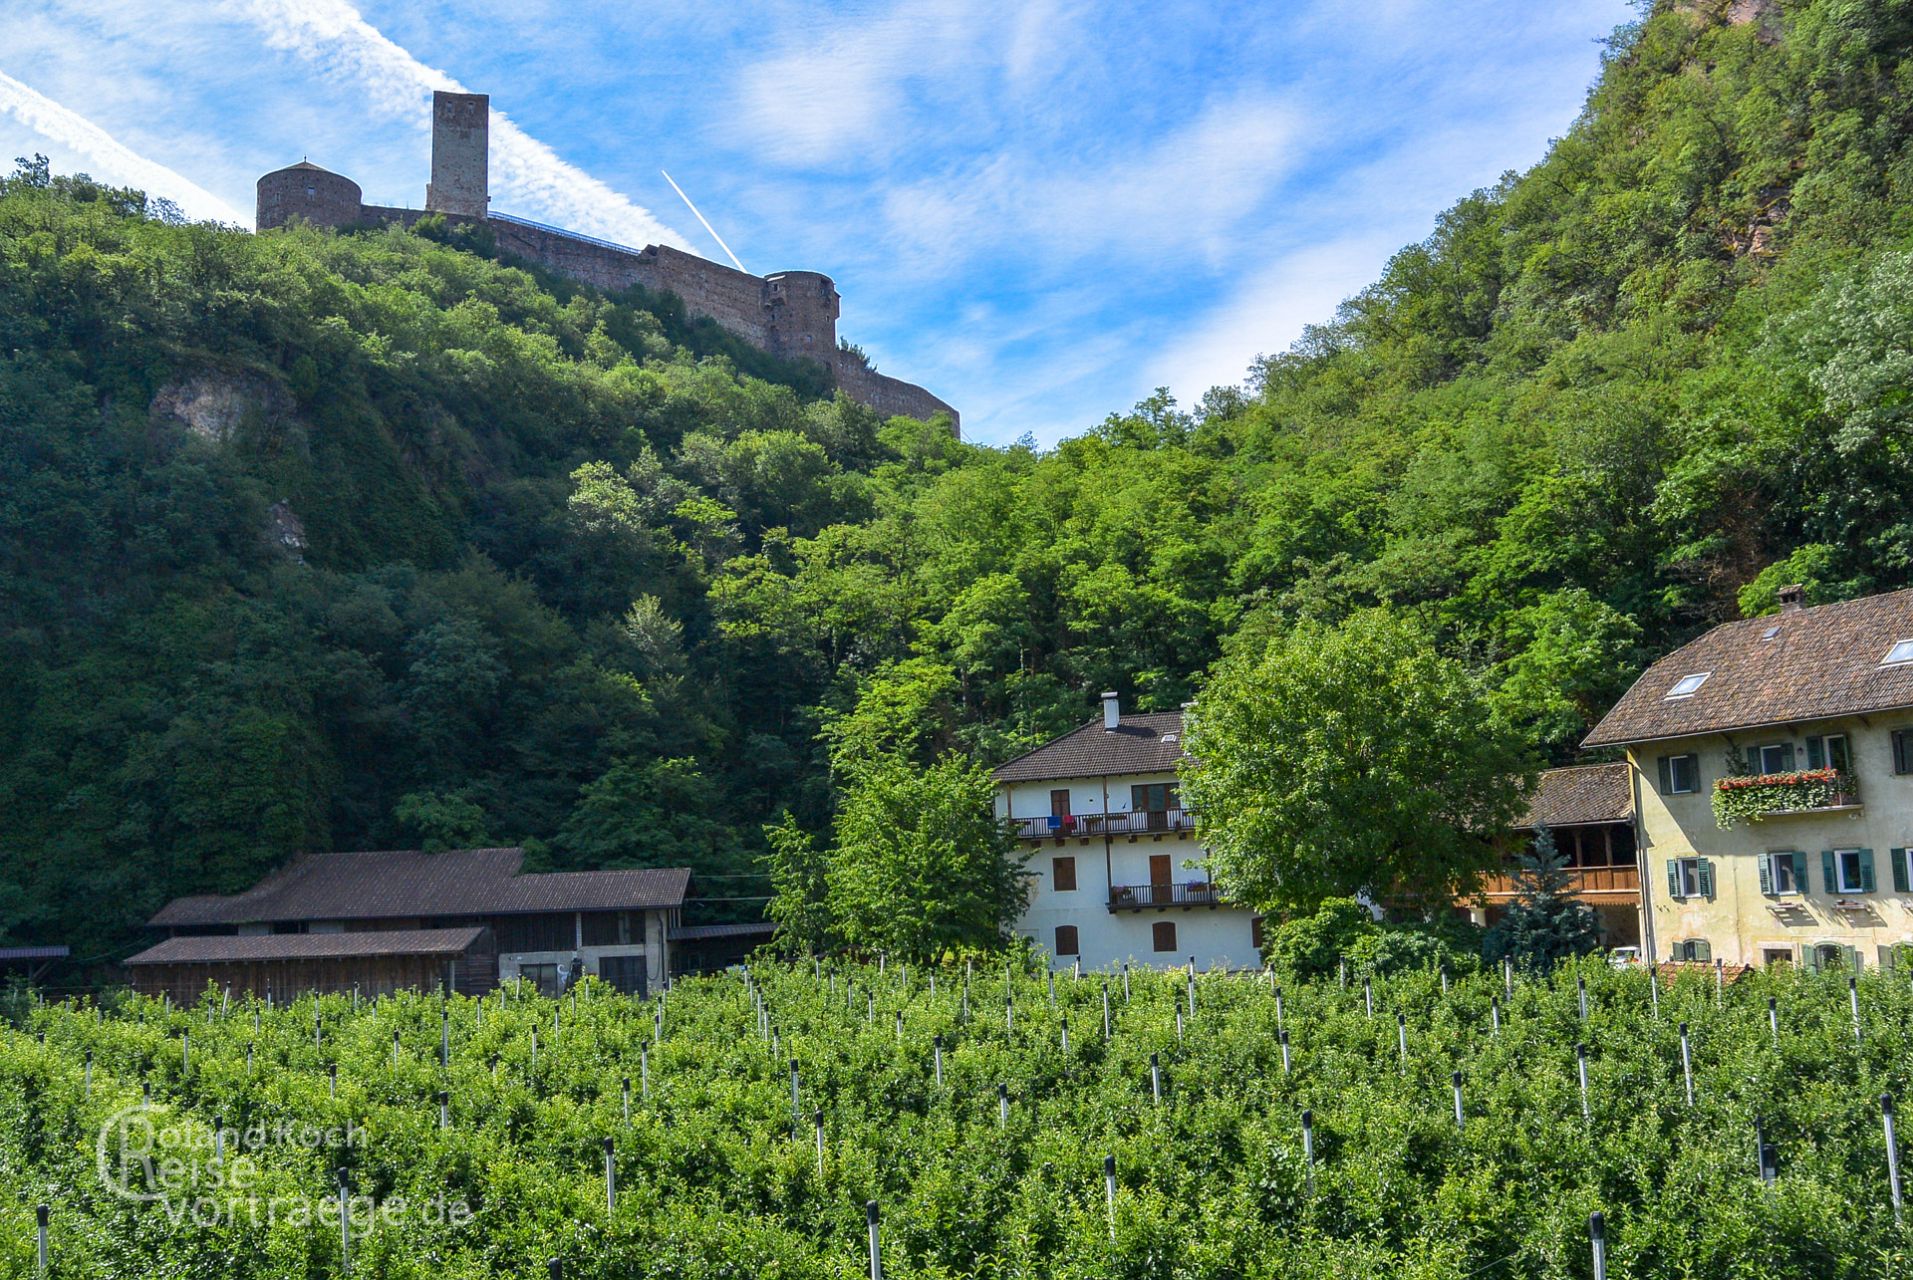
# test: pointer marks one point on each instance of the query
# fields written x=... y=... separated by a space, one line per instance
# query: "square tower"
x=461 y=142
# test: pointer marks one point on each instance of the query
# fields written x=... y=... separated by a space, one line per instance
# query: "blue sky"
x=1040 y=210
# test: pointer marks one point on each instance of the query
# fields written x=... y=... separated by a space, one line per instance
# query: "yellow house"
x=1772 y=767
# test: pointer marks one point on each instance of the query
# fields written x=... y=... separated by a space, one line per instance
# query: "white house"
x=1117 y=874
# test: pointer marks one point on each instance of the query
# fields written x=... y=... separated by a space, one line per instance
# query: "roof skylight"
x=1688 y=686
x=1902 y=651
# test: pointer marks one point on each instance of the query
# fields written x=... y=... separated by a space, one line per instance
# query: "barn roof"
x=411 y=884
x=243 y=949
x=1783 y=668
x=12 y=954
x=1147 y=743
x=704 y=932
x=1579 y=795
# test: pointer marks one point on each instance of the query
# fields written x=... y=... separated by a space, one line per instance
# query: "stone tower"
x=304 y=190
x=800 y=315
x=461 y=143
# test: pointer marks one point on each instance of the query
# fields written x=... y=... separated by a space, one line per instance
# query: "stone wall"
x=792 y=314
x=888 y=396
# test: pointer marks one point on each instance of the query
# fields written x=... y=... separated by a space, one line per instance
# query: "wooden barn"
x=462 y=920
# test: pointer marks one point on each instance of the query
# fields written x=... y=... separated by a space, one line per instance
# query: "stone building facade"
x=1808 y=714
x=790 y=314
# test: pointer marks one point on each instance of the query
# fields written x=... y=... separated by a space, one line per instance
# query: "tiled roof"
x=1817 y=664
x=1582 y=794
x=457 y=882
x=703 y=932
x=8 y=954
x=237 y=949
x=1149 y=743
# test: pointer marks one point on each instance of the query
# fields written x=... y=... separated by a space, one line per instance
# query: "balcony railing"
x=1135 y=897
x=1582 y=881
x=1142 y=822
x=1753 y=797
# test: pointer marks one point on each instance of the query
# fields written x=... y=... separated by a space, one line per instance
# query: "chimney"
x=1792 y=597
x=1112 y=712
x=461 y=125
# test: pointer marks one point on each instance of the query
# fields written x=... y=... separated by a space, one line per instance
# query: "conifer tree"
x=1544 y=924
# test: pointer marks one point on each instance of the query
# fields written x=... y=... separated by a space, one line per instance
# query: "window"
x=1059 y=803
x=1848 y=870
x=1255 y=932
x=1831 y=955
x=1783 y=873
x=1690 y=878
x=1063 y=876
x=1066 y=940
x=552 y=932
x=1152 y=797
x=1775 y=757
x=625 y=973
x=1830 y=751
x=1680 y=775
x=1901 y=862
x=1163 y=935
x=1693 y=951
x=1903 y=751
x=545 y=976
x=607 y=929
x=1688 y=686
x=1902 y=651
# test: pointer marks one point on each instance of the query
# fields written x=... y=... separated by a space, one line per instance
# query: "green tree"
x=800 y=885
x=1544 y=923
x=1350 y=760
x=920 y=865
x=440 y=820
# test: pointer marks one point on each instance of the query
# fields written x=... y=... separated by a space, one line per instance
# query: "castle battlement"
x=791 y=314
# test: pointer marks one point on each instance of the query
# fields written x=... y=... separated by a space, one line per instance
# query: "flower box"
x=1753 y=796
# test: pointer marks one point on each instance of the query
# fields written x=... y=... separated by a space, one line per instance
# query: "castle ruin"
x=791 y=314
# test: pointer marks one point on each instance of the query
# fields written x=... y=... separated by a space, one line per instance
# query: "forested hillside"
x=320 y=541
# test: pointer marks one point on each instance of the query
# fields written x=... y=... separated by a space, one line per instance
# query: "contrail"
x=706 y=221
x=113 y=161
x=333 y=36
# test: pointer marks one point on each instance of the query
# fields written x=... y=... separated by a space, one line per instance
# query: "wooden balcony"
x=1148 y=822
x=1143 y=897
x=1584 y=882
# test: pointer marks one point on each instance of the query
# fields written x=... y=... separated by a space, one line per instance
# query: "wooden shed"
x=373 y=963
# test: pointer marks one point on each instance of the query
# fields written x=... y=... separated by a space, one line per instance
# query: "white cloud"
x=333 y=36
x=1186 y=194
x=1268 y=313
x=851 y=93
x=108 y=158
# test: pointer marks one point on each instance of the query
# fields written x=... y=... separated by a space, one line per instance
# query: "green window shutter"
x=1765 y=863
x=1706 y=877
x=1826 y=871
x=1667 y=774
x=1866 y=872
x=1703 y=950
x=1853 y=959
x=1899 y=869
x=1816 y=752
x=1674 y=878
x=1799 y=872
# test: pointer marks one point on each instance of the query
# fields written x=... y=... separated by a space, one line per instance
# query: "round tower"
x=304 y=190
x=801 y=315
